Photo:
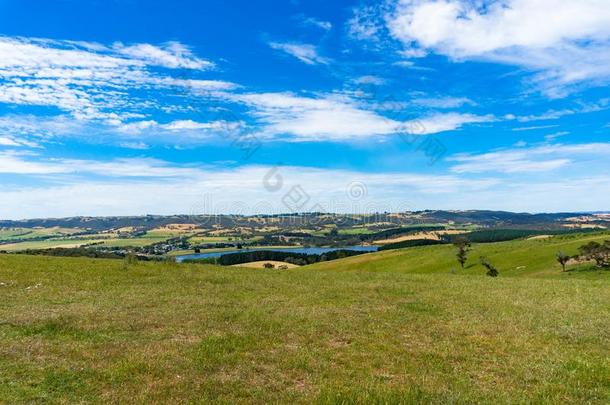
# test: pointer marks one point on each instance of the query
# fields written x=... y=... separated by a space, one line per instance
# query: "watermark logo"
x=356 y=191
x=296 y=199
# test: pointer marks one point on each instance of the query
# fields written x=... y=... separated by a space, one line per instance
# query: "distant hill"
x=479 y=218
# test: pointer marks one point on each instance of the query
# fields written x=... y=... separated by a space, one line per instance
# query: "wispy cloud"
x=306 y=53
x=534 y=128
x=581 y=108
x=544 y=158
x=180 y=126
x=311 y=21
x=366 y=24
x=370 y=79
x=340 y=118
x=32 y=164
x=172 y=55
x=93 y=81
x=443 y=102
x=166 y=188
x=169 y=188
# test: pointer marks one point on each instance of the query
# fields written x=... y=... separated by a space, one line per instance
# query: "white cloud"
x=546 y=158
x=534 y=128
x=5 y=141
x=197 y=85
x=306 y=53
x=172 y=55
x=410 y=65
x=554 y=136
x=92 y=81
x=325 y=25
x=30 y=164
x=154 y=128
x=30 y=130
x=164 y=188
x=12 y=141
x=191 y=125
x=567 y=42
x=365 y=24
x=437 y=123
x=583 y=108
x=370 y=79
x=39 y=131
x=137 y=127
x=134 y=145
x=443 y=102
x=34 y=53
x=339 y=118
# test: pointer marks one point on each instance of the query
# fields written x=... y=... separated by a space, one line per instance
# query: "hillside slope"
x=528 y=258
x=361 y=330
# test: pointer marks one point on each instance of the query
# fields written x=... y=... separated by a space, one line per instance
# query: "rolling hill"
x=389 y=327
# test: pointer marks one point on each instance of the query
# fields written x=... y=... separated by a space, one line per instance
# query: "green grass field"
x=390 y=327
x=198 y=240
x=355 y=231
x=31 y=233
x=150 y=238
x=49 y=244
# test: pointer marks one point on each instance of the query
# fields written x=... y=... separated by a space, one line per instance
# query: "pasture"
x=389 y=327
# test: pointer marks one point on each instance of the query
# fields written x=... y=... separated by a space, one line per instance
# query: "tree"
x=491 y=269
x=269 y=265
x=563 y=259
x=462 y=245
x=600 y=253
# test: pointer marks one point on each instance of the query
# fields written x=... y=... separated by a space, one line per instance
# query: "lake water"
x=308 y=251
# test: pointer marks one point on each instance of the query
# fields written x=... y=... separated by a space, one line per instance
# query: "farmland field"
x=390 y=327
x=261 y=264
x=31 y=233
x=49 y=244
x=61 y=239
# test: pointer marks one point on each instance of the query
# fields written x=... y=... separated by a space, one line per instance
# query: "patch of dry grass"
x=261 y=264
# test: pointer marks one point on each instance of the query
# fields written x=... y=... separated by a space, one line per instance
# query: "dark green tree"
x=598 y=252
x=491 y=269
x=462 y=245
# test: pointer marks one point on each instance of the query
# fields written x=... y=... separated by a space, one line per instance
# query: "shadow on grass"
x=60 y=328
x=588 y=269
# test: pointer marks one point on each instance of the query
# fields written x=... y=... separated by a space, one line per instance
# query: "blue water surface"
x=305 y=250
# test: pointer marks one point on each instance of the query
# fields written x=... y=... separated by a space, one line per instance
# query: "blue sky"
x=132 y=107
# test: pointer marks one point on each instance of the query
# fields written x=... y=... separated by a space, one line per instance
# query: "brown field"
x=180 y=227
x=540 y=237
x=420 y=235
x=261 y=264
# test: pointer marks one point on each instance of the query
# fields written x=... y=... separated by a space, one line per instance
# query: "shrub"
x=491 y=269
x=598 y=252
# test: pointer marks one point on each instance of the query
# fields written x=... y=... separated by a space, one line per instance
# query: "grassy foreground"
x=395 y=327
